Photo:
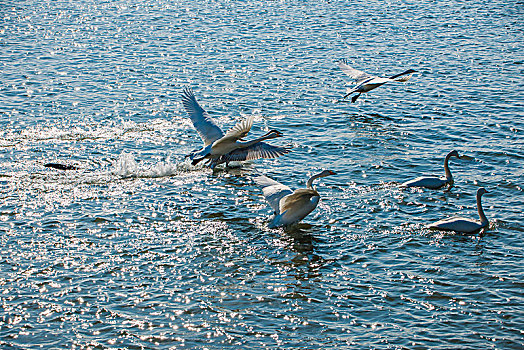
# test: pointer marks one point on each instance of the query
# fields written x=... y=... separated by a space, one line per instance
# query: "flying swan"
x=290 y=206
x=435 y=182
x=224 y=148
x=464 y=225
x=366 y=82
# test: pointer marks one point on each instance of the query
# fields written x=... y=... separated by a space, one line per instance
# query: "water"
x=139 y=250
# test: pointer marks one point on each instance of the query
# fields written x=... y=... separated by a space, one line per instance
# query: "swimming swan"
x=290 y=206
x=435 y=182
x=464 y=225
x=224 y=148
x=366 y=82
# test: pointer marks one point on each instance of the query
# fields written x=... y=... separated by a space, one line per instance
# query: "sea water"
x=137 y=249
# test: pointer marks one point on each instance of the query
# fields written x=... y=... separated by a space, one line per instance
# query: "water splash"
x=126 y=166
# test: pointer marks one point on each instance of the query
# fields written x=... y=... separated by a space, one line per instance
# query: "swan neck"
x=483 y=218
x=398 y=75
x=309 y=184
x=255 y=141
x=449 y=177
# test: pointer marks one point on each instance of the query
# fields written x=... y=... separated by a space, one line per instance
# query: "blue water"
x=140 y=250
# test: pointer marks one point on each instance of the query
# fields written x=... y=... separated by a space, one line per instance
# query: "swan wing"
x=300 y=202
x=353 y=73
x=378 y=81
x=456 y=224
x=273 y=191
x=240 y=130
x=256 y=151
x=432 y=182
x=202 y=122
x=403 y=78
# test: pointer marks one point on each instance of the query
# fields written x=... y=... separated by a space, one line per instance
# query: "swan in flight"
x=290 y=206
x=435 y=182
x=224 y=148
x=464 y=225
x=366 y=82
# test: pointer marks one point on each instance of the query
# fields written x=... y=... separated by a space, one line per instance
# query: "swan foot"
x=346 y=95
x=197 y=160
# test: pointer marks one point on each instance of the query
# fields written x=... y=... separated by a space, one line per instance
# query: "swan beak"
x=331 y=172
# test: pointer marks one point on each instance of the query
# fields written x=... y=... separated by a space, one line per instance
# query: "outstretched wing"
x=203 y=123
x=256 y=151
x=240 y=130
x=353 y=73
x=273 y=191
x=403 y=78
x=378 y=81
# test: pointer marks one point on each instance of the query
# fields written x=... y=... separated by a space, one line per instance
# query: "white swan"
x=290 y=206
x=435 y=182
x=464 y=225
x=366 y=82
x=224 y=148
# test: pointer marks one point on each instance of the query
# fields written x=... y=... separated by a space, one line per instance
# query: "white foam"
x=127 y=166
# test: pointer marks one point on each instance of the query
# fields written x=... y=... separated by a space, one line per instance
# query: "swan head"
x=454 y=153
x=326 y=173
x=322 y=174
x=409 y=71
x=481 y=191
x=272 y=134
